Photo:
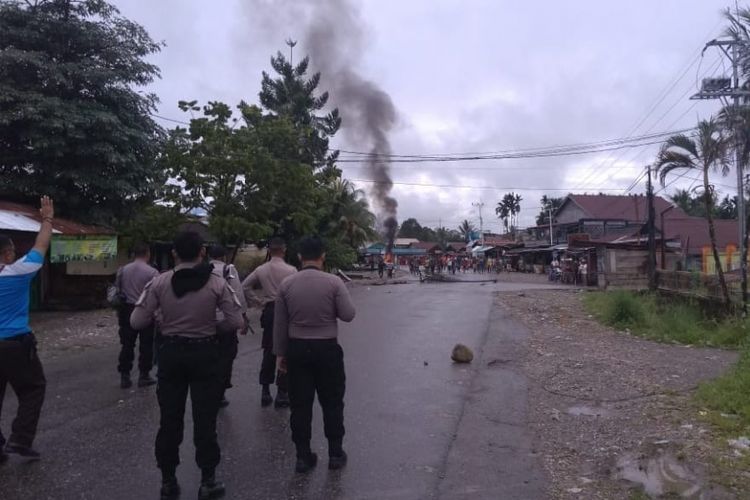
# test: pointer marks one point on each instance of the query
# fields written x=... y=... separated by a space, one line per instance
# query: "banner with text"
x=82 y=248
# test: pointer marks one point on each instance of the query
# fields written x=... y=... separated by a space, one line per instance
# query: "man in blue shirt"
x=19 y=364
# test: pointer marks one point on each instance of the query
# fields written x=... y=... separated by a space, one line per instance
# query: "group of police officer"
x=198 y=309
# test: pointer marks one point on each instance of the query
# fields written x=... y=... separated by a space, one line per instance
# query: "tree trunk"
x=712 y=235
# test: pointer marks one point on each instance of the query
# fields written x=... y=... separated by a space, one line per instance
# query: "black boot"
x=146 y=380
x=125 y=382
x=210 y=487
x=265 y=398
x=306 y=462
x=336 y=454
x=170 y=489
x=282 y=399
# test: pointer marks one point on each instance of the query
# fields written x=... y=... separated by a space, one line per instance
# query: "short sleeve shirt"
x=15 y=287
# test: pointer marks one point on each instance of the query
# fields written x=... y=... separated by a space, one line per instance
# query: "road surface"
x=418 y=426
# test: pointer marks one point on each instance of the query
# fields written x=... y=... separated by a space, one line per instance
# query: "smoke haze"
x=333 y=34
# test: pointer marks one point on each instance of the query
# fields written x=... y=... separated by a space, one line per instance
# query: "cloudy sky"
x=469 y=76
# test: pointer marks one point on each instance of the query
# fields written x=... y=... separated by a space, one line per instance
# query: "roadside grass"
x=664 y=320
x=722 y=403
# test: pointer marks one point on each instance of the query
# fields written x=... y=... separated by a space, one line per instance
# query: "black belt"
x=178 y=339
x=324 y=341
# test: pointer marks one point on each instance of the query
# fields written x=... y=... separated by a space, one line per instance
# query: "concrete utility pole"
x=724 y=88
x=651 y=233
x=481 y=221
x=550 y=224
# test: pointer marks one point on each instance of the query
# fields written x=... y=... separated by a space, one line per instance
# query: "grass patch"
x=665 y=320
x=729 y=395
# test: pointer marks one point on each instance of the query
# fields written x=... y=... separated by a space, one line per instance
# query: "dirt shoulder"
x=611 y=411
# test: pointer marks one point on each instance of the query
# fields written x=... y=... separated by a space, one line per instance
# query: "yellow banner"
x=82 y=248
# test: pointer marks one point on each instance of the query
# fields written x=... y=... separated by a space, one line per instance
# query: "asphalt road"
x=418 y=426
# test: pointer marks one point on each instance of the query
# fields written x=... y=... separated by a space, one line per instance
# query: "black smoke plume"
x=333 y=35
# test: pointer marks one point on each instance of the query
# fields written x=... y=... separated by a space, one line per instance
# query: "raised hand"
x=47 y=208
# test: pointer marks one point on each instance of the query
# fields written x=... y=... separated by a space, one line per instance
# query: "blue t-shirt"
x=15 y=286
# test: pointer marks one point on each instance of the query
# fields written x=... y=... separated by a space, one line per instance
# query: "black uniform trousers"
x=315 y=366
x=228 y=343
x=20 y=367
x=268 y=372
x=128 y=337
x=195 y=366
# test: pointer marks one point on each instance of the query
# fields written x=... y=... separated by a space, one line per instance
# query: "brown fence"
x=696 y=284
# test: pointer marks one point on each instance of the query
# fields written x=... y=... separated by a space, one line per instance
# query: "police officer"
x=130 y=281
x=308 y=305
x=264 y=281
x=227 y=340
x=189 y=358
x=19 y=364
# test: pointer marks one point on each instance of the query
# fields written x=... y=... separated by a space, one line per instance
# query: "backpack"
x=115 y=298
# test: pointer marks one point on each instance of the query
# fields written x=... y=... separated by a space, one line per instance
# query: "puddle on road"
x=660 y=475
x=587 y=411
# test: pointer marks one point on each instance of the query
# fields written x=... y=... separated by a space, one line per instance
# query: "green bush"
x=665 y=320
x=624 y=310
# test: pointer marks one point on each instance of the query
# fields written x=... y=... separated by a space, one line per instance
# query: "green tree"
x=238 y=171
x=547 y=203
x=707 y=152
x=411 y=228
x=466 y=229
x=73 y=123
x=293 y=96
x=350 y=218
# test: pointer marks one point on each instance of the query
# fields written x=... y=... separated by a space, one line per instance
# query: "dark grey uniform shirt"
x=308 y=305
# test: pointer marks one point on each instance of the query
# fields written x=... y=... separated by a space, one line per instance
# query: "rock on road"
x=418 y=426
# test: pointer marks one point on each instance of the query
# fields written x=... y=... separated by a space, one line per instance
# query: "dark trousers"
x=315 y=366
x=128 y=337
x=228 y=346
x=20 y=367
x=268 y=373
x=195 y=367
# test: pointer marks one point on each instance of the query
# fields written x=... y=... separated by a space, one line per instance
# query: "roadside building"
x=81 y=263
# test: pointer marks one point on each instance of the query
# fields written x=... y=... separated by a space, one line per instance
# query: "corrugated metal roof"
x=13 y=221
x=30 y=215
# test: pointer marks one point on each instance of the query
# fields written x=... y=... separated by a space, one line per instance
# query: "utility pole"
x=481 y=221
x=651 y=234
x=724 y=88
x=550 y=224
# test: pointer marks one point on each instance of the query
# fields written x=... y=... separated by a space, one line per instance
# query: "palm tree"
x=466 y=229
x=352 y=218
x=517 y=207
x=502 y=210
x=707 y=151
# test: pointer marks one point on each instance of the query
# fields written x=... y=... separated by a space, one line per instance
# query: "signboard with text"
x=83 y=248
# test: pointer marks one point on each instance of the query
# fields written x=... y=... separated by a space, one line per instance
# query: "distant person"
x=189 y=358
x=19 y=363
x=130 y=282
x=264 y=282
x=308 y=307
x=381 y=268
x=227 y=340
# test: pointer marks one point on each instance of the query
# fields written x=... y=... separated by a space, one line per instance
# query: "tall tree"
x=707 y=152
x=466 y=229
x=294 y=96
x=73 y=123
x=502 y=210
x=239 y=172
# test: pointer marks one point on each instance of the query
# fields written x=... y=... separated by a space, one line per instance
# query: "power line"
x=457 y=186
